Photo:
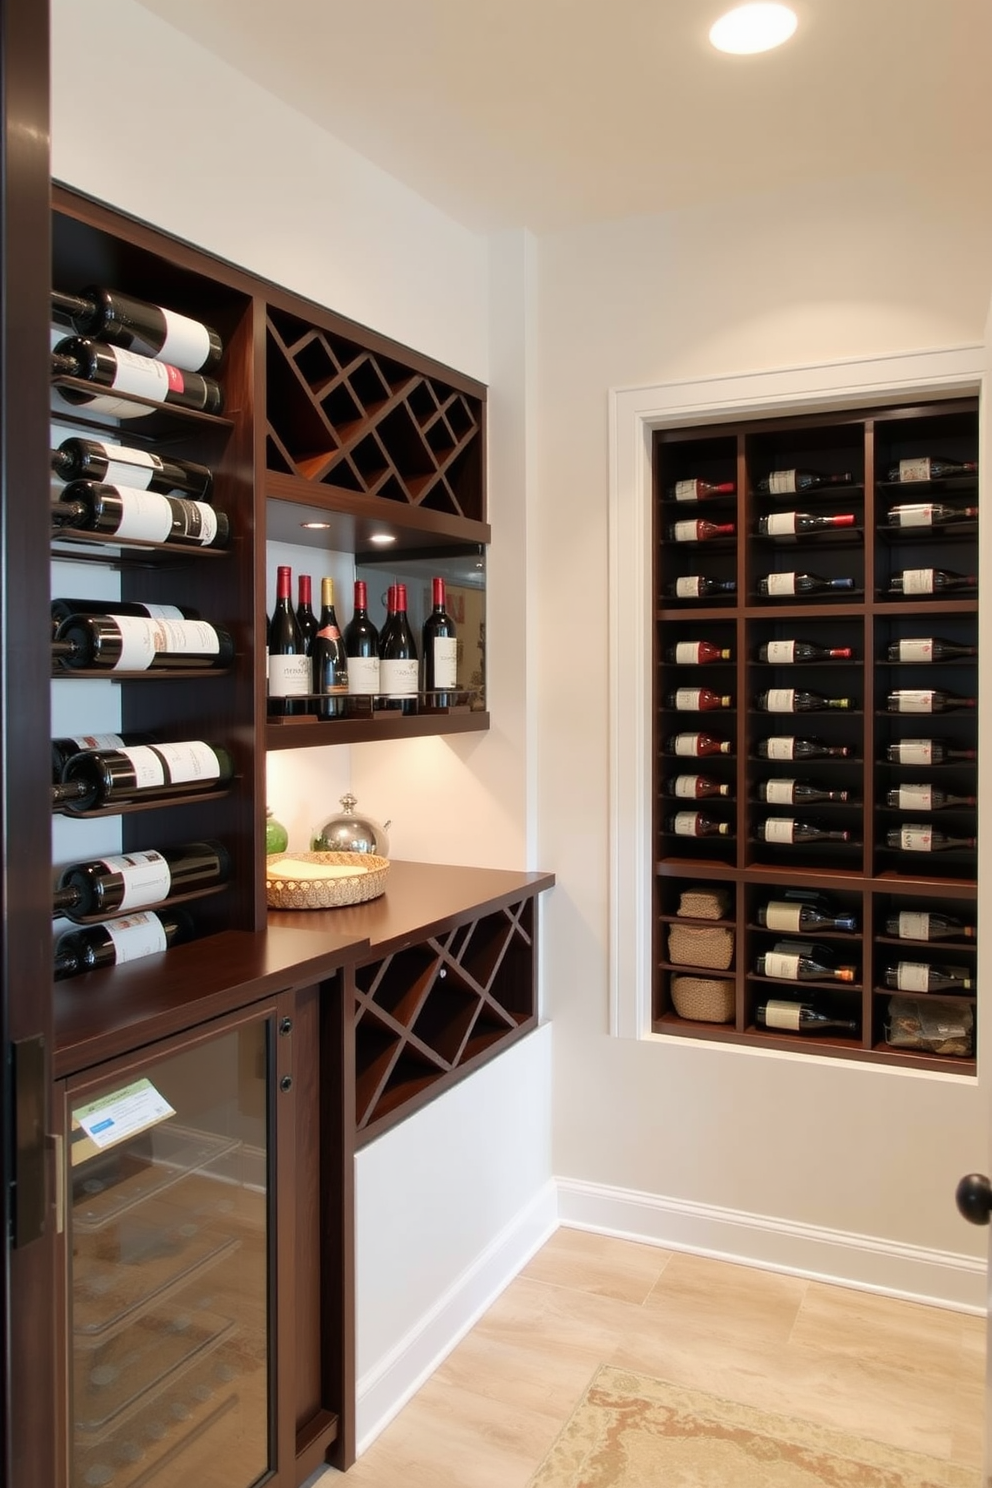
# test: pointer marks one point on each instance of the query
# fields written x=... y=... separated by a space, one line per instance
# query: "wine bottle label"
x=779 y=829
x=189 y=761
x=781 y=747
x=445 y=661
x=685 y=785
x=782 y=1015
x=782 y=966
x=199 y=519
x=782 y=916
x=685 y=823
x=399 y=678
x=147 y=764
x=162 y=612
x=135 y=936
x=781 y=700
x=914 y=700
x=920 y=515
x=144 y=516
x=685 y=532
x=97 y=741
x=363 y=674
x=688 y=587
x=146 y=878
x=781 y=583
x=685 y=490
x=916 y=796
x=781 y=524
x=916 y=752
x=912 y=976
x=129 y=467
x=289 y=676
x=780 y=482
x=913 y=925
x=687 y=743
x=687 y=653
x=186 y=341
x=917 y=581
x=142 y=376
x=780 y=792
x=687 y=699
x=781 y=653
x=919 y=649
x=143 y=639
x=916 y=838
x=914 y=470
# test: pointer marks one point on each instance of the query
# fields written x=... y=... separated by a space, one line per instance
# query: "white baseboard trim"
x=939 y=1278
x=383 y=1391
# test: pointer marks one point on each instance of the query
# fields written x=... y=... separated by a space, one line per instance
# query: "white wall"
x=812 y=275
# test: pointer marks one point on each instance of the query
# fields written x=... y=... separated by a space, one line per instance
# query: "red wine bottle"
x=790 y=964
x=787 y=653
x=925 y=798
x=696 y=824
x=127 y=939
x=698 y=529
x=131 y=643
x=920 y=976
x=794 y=700
x=922 y=581
x=126 y=372
x=926 y=700
x=787 y=831
x=925 y=924
x=305 y=617
x=799 y=1017
x=787 y=585
x=289 y=664
x=140 y=516
x=697 y=746
x=788 y=747
x=698 y=586
x=129 y=881
x=929 y=468
x=697 y=653
x=119 y=465
x=150 y=330
x=62 y=608
x=697 y=700
x=399 y=672
x=786 y=482
x=926 y=752
x=927 y=649
x=929 y=514
x=796 y=793
x=700 y=490
x=921 y=837
x=801 y=524
x=439 y=650
x=98 y=778
x=64 y=749
x=783 y=914
x=361 y=644
x=695 y=787
x=329 y=664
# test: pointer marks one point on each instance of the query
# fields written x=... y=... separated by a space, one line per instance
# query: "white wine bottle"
x=799 y=1017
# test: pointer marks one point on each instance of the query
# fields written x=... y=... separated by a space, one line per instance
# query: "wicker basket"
x=700 y=903
x=701 y=945
x=366 y=880
x=703 y=999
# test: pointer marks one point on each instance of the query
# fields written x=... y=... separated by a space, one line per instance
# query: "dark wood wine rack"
x=864 y=875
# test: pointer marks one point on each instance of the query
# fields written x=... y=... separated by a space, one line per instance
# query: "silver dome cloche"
x=351 y=831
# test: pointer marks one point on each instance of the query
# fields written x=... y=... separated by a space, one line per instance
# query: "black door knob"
x=974 y=1198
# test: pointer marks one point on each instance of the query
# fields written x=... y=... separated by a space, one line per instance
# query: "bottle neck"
x=71 y=309
x=67 y=513
x=327 y=594
x=305 y=592
x=284 y=586
x=361 y=597
x=69 y=790
x=438 y=594
x=67 y=898
x=64 y=365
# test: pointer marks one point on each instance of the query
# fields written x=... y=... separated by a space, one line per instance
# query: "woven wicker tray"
x=365 y=879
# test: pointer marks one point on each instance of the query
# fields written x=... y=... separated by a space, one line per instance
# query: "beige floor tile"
x=539 y=1377
x=597 y=1263
x=730 y=1301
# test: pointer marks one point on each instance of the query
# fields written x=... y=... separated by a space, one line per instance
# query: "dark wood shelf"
x=302 y=733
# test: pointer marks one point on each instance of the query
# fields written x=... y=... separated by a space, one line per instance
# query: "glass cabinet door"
x=168 y=1267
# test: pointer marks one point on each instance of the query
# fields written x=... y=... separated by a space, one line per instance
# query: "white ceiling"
x=551 y=113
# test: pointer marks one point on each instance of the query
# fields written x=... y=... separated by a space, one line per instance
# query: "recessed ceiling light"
x=315 y=526
x=753 y=28
x=382 y=537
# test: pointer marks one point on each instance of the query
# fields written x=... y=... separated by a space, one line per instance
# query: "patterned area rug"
x=630 y=1431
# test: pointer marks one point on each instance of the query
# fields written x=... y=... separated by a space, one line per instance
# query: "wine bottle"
x=150 y=330
x=796 y=793
x=399 y=672
x=787 y=747
x=927 y=649
x=921 y=837
x=696 y=824
x=920 y=976
x=361 y=644
x=928 y=468
x=305 y=617
x=387 y=624
x=697 y=746
x=926 y=798
x=787 y=482
x=700 y=490
x=926 y=752
x=801 y=524
x=99 y=778
x=289 y=665
x=794 y=700
x=126 y=372
x=699 y=530
x=788 y=831
x=62 y=608
x=783 y=914
x=118 y=464
x=140 y=516
x=130 y=881
x=917 y=924
x=799 y=1017
x=439 y=650
x=64 y=749
x=697 y=700
x=132 y=643
x=329 y=664
x=698 y=586
x=929 y=514
x=791 y=963
x=697 y=653
x=926 y=700
x=784 y=585
x=126 y=939
x=787 y=653
x=695 y=787
x=917 y=581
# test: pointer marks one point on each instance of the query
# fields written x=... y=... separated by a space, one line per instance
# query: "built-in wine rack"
x=880 y=802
